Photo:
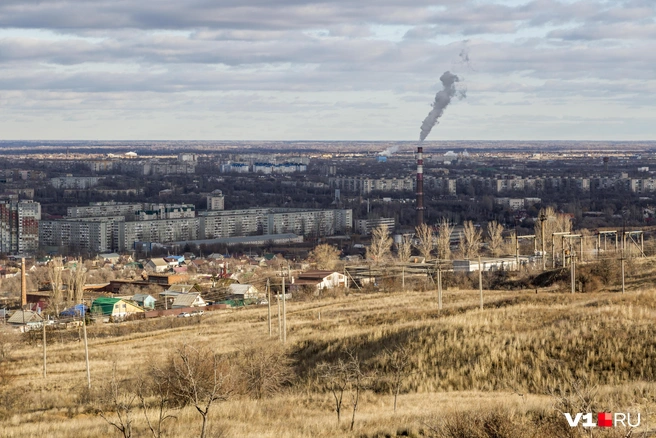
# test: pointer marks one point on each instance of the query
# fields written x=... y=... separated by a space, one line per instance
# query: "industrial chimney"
x=23 y=285
x=420 y=186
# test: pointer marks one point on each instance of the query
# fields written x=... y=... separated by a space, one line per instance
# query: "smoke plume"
x=389 y=151
x=442 y=100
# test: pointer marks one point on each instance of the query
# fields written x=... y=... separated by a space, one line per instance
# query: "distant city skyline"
x=331 y=70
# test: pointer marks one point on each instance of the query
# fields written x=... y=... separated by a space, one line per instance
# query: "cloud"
x=110 y=58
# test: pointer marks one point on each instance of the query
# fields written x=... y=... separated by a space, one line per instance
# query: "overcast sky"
x=326 y=70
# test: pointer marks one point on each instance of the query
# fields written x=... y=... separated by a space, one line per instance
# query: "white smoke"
x=442 y=100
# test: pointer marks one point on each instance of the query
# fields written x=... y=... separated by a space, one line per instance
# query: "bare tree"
x=552 y=222
x=345 y=376
x=153 y=386
x=325 y=256
x=79 y=275
x=444 y=239
x=55 y=269
x=199 y=377
x=470 y=242
x=359 y=382
x=381 y=244
x=265 y=369
x=118 y=397
x=404 y=248
x=425 y=238
x=495 y=236
x=399 y=359
x=337 y=378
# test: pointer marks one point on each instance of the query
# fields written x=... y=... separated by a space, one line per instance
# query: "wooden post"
x=480 y=280
x=45 y=371
x=86 y=349
x=516 y=252
x=403 y=278
x=268 y=288
x=284 y=313
x=553 y=252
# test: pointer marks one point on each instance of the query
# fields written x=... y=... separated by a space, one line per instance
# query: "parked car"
x=184 y=315
x=197 y=313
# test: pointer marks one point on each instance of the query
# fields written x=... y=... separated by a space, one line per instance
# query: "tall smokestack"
x=442 y=100
x=420 y=185
x=23 y=285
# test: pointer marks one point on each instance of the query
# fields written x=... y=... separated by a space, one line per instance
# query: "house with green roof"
x=117 y=308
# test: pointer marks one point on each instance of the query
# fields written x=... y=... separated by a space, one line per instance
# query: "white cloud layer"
x=294 y=69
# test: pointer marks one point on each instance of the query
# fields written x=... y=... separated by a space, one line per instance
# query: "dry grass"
x=500 y=364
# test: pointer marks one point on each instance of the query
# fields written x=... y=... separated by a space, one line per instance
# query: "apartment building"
x=19 y=226
x=215 y=201
x=365 y=226
x=165 y=211
x=75 y=182
x=100 y=209
x=230 y=223
x=83 y=234
x=161 y=231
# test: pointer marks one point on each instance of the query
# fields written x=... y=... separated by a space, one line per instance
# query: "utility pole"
x=45 y=371
x=86 y=348
x=543 y=217
x=403 y=278
x=268 y=288
x=279 y=319
x=572 y=261
x=284 y=313
x=439 y=287
x=622 y=263
x=480 y=280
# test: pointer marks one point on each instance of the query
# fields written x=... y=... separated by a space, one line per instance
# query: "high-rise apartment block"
x=19 y=226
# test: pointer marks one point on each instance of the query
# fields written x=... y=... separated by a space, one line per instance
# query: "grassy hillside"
x=505 y=370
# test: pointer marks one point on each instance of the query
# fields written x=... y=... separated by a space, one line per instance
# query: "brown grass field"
x=504 y=371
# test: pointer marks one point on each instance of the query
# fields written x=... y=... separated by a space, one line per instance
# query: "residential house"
x=109 y=258
x=188 y=300
x=322 y=279
x=244 y=291
x=26 y=318
x=158 y=265
x=144 y=300
x=117 y=308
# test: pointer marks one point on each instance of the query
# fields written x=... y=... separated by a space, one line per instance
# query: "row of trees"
x=429 y=243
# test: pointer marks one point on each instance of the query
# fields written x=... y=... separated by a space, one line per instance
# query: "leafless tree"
x=470 y=242
x=359 y=382
x=399 y=359
x=79 y=275
x=118 y=397
x=495 y=236
x=381 y=244
x=337 y=378
x=199 y=377
x=325 y=256
x=444 y=239
x=153 y=387
x=265 y=369
x=425 y=238
x=55 y=270
x=553 y=223
x=404 y=248
x=345 y=377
